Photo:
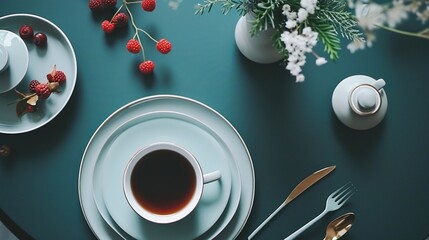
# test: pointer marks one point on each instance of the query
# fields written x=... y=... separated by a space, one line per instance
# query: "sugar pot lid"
x=360 y=102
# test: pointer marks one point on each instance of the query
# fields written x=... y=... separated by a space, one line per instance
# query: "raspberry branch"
x=136 y=35
x=120 y=19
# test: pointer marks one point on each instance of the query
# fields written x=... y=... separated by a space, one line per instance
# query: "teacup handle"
x=211 y=177
x=379 y=84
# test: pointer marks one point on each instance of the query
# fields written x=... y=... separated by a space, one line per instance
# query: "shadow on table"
x=358 y=143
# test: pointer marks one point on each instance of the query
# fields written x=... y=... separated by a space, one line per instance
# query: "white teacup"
x=14 y=59
x=4 y=58
x=163 y=182
x=365 y=99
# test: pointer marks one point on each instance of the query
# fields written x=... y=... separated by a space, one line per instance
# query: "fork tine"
x=341 y=190
x=346 y=195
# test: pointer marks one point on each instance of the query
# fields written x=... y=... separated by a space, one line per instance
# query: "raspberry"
x=148 y=5
x=109 y=3
x=43 y=90
x=26 y=32
x=30 y=108
x=133 y=46
x=107 y=26
x=56 y=75
x=120 y=20
x=32 y=85
x=147 y=67
x=95 y=5
x=163 y=46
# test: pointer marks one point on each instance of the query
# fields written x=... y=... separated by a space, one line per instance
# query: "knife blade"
x=300 y=188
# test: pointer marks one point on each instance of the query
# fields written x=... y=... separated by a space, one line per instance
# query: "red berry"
x=109 y=3
x=107 y=26
x=56 y=75
x=30 y=108
x=43 y=90
x=26 y=32
x=148 y=5
x=32 y=85
x=40 y=39
x=95 y=5
x=163 y=46
x=133 y=46
x=120 y=20
x=60 y=77
x=147 y=67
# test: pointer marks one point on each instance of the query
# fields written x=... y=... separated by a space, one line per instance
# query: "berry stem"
x=148 y=35
x=136 y=29
x=132 y=2
x=117 y=11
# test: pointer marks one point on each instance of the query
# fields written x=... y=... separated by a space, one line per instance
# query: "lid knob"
x=366 y=99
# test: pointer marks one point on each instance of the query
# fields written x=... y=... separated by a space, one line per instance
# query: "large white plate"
x=183 y=131
x=187 y=106
x=58 y=51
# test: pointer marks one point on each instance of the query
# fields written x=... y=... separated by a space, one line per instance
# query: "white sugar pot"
x=360 y=102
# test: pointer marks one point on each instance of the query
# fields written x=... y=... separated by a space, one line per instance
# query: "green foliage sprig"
x=331 y=20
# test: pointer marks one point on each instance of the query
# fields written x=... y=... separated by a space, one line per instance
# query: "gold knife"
x=300 y=188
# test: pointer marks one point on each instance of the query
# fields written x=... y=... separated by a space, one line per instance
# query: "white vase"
x=258 y=48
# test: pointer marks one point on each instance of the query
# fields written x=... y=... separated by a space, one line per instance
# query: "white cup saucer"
x=13 y=61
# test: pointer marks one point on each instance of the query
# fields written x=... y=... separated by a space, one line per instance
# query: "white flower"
x=286 y=9
x=414 y=6
x=397 y=13
x=370 y=38
x=290 y=24
x=297 y=44
x=309 y=5
x=351 y=4
x=423 y=16
x=356 y=45
x=369 y=15
x=302 y=15
x=292 y=15
x=174 y=4
x=320 y=61
x=300 y=78
x=294 y=69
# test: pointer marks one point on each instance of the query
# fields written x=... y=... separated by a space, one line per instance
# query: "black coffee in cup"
x=163 y=182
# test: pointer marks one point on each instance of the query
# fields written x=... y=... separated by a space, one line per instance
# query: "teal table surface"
x=290 y=129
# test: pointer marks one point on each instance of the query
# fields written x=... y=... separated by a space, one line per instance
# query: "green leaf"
x=344 y=22
x=226 y=6
x=329 y=37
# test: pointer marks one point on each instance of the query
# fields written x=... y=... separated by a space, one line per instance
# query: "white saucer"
x=17 y=52
x=165 y=127
x=229 y=225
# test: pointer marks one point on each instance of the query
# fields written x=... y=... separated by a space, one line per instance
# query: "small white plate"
x=17 y=55
x=58 y=51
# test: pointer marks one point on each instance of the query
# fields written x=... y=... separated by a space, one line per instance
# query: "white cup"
x=163 y=182
x=4 y=58
x=365 y=99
